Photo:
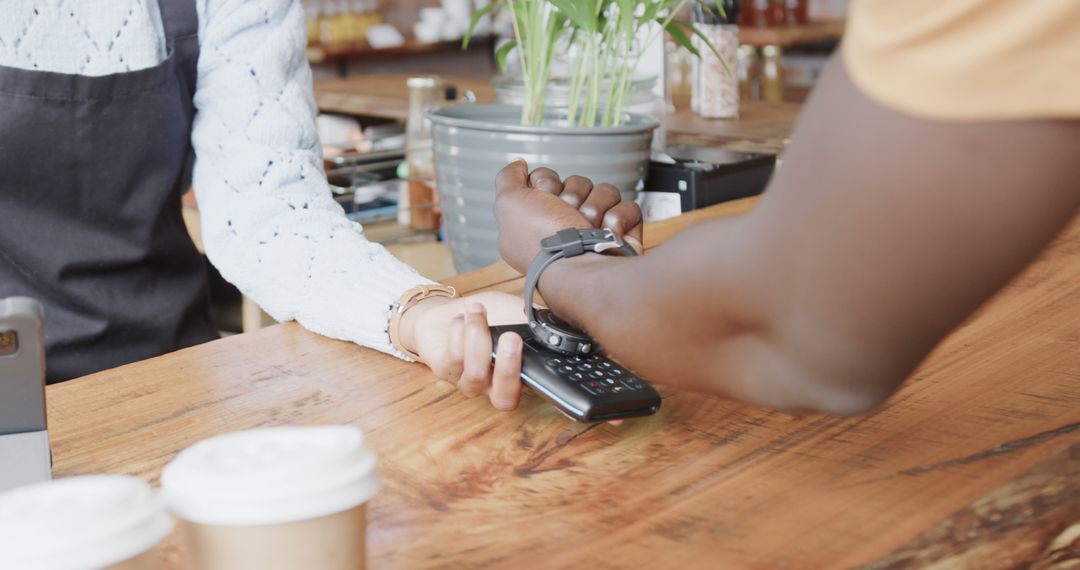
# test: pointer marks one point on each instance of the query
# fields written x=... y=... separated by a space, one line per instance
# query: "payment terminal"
x=24 y=440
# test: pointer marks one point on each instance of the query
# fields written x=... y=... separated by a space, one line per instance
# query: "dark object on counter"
x=365 y=196
x=381 y=162
x=586 y=388
x=707 y=176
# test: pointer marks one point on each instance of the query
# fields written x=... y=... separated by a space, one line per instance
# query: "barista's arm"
x=878 y=236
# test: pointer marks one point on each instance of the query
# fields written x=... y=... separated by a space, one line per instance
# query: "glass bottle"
x=748 y=73
x=359 y=9
x=772 y=74
x=312 y=10
x=372 y=16
x=715 y=93
x=759 y=14
x=426 y=93
x=748 y=14
x=796 y=12
x=777 y=13
x=351 y=22
x=327 y=22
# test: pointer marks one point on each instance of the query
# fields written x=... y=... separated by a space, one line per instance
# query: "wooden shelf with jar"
x=791 y=34
x=346 y=56
x=319 y=53
x=768 y=27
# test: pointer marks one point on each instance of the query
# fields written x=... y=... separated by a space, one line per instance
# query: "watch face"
x=553 y=320
x=556 y=334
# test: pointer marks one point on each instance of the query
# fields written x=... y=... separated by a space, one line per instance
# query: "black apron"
x=91 y=173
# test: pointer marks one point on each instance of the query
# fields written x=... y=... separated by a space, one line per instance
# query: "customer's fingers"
x=546 y=180
x=455 y=350
x=576 y=190
x=505 y=380
x=602 y=198
x=513 y=176
x=477 y=371
x=625 y=220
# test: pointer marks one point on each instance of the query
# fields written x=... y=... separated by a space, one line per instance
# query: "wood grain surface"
x=972 y=464
x=1032 y=522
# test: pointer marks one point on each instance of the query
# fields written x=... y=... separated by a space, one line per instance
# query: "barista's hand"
x=530 y=207
x=451 y=336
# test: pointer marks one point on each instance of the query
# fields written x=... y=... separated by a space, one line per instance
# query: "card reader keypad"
x=595 y=374
x=585 y=387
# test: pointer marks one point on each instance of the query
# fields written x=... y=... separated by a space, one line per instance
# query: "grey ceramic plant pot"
x=473 y=142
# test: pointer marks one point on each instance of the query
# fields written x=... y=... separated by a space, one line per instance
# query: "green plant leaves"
x=714 y=8
x=607 y=39
x=581 y=12
x=503 y=51
x=680 y=37
x=476 y=20
x=704 y=39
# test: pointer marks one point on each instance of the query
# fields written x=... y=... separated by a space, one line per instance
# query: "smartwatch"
x=548 y=329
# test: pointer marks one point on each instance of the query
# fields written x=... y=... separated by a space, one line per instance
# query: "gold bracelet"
x=407 y=301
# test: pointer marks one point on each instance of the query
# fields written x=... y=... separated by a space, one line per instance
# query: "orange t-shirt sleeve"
x=967 y=60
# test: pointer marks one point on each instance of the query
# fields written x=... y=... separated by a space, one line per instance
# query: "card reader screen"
x=9 y=343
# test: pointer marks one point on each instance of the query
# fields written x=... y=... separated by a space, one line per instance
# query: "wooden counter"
x=973 y=463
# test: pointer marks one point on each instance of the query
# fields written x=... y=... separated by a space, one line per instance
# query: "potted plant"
x=590 y=134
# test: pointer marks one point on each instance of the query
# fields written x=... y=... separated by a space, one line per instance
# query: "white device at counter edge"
x=24 y=439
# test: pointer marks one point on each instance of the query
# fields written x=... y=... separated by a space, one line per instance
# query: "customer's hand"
x=530 y=207
x=452 y=337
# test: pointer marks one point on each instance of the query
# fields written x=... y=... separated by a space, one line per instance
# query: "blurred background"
x=380 y=65
x=349 y=37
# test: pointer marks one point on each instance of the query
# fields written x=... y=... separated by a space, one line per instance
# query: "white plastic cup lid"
x=79 y=523
x=271 y=475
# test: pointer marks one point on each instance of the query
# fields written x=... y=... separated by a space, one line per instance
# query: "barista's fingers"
x=477 y=354
x=546 y=180
x=455 y=350
x=505 y=380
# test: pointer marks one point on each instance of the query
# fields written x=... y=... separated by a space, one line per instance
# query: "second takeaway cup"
x=274 y=498
x=115 y=522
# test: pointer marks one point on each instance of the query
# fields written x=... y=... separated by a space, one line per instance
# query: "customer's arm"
x=879 y=235
x=271 y=225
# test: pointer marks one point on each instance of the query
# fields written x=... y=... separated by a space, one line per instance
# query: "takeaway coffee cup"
x=274 y=498
x=82 y=523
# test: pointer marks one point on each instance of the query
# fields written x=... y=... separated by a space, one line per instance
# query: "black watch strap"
x=546 y=328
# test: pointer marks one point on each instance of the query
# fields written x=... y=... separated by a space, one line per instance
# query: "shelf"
x=386 y=96
x=324 y=54
x=787 y=36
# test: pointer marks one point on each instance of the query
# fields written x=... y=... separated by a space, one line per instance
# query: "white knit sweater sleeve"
x=269 y=222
